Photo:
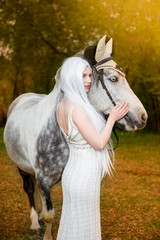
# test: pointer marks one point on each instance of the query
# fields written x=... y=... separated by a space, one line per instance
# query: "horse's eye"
x=113 y=79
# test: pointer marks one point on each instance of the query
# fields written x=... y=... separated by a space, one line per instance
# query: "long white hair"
x=73 y=88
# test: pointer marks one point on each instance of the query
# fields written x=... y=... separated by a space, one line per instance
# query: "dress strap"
x=58 y=122
x=70 y=120
x=70 y=112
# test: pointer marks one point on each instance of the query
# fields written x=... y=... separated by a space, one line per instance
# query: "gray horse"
x=35 y=142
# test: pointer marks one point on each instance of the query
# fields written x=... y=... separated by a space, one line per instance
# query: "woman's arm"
x=89 y=132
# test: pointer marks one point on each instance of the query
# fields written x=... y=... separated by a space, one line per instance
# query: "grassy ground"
x=130 y=200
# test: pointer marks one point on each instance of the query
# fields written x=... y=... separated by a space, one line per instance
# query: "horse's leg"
x=28 y=186
x=47 y=212
x=37 y=198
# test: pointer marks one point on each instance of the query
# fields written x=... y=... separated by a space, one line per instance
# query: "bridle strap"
x=108 y=93
x=117 y=138
x=103 y=61
x=101 y=79
x=104 y=86
x=114 y=131
x=113 y=102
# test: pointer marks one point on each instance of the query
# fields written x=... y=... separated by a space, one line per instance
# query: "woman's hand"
x=119 y=111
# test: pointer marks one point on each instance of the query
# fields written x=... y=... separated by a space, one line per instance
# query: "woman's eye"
x=113 y=79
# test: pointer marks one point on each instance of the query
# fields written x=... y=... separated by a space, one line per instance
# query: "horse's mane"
x=89 y=55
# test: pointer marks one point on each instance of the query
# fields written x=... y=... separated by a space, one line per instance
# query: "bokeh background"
x=36 y=35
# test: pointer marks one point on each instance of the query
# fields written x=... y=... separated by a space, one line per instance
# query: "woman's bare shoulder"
x=78 y=109
x=79 y=114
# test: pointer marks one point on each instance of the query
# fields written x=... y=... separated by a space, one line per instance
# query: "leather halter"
x=103 y=61
x=101 y=78
x=108 y=93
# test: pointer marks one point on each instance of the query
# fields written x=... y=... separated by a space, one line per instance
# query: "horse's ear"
x=108 y=48
x=100 y=49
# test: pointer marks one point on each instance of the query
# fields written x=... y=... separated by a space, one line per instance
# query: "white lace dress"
x=80 y=218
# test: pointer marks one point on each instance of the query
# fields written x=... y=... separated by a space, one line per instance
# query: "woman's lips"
x=87 y=87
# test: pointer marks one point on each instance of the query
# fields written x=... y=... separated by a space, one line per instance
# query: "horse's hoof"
x=35 y=231
x=41 y=222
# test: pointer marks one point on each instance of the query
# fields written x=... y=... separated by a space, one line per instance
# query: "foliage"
x=36 y=35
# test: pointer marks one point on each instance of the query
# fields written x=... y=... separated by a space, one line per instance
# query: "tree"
x=36 y=35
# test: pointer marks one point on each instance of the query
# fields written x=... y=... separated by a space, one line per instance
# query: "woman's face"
x=87 y=78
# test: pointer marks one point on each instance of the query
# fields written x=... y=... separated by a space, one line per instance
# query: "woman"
x=87 y=134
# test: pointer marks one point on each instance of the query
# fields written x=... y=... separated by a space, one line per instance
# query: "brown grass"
x=130 y=200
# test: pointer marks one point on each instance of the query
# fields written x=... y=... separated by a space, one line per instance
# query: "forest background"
x=37 y=35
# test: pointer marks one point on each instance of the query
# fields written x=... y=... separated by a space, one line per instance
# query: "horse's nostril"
x=144 y=117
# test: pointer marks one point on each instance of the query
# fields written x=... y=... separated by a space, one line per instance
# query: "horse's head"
x=110 y=87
